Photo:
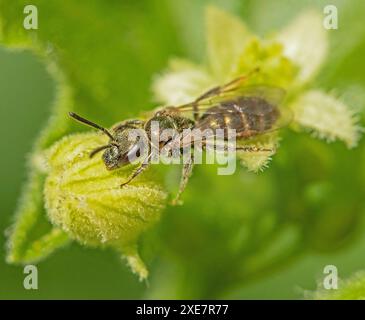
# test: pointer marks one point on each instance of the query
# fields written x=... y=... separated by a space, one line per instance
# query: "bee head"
x=121 y=149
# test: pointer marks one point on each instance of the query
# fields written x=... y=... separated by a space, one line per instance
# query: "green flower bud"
x=86 y=200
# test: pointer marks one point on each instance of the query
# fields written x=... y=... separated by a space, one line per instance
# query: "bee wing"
x=273 y=95
x=214 y=104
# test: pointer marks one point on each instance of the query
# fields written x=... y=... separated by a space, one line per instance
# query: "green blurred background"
x=308 y=207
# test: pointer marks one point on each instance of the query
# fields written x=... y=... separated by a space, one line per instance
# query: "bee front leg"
x=140 y=169
x=186 y=173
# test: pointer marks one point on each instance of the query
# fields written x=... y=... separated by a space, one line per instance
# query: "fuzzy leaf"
x=327 y=117
x=352 y=289
x=258 y=160
x=42 y=247
x=85 y=199
x=305 y=43
x=226 y=37
x=181 y=83
x=275 y=69
x=100 y=90
x=32 y=238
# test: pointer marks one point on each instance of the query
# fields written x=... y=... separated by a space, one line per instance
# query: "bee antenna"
x=97 y=150
x=91 y=124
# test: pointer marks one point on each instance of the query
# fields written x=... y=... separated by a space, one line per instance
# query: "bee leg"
x=129 y=124
x=97 y=150
x=186 y=173
x=232 y=85
x=254 y=149
x=229 y=86
x=140 y=169
x=216 y=91
x=238 y=148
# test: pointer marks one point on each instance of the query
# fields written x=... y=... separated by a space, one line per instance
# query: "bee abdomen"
x=248 y=116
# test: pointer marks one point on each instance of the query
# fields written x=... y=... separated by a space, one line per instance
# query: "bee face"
x=121 y=152
x=113 y=158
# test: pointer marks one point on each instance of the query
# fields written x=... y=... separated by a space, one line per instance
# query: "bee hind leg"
x=186 y=173
x=218 y=90
x=238 y=148
x=227 y=87
x=129 y=124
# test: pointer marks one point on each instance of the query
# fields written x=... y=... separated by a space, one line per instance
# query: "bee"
x=249 y=110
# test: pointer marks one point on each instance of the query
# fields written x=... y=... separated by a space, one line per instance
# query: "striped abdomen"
x=249 y=116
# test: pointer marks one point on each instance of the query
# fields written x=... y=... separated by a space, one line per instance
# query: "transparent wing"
x=273 y=95
x=215 y=104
